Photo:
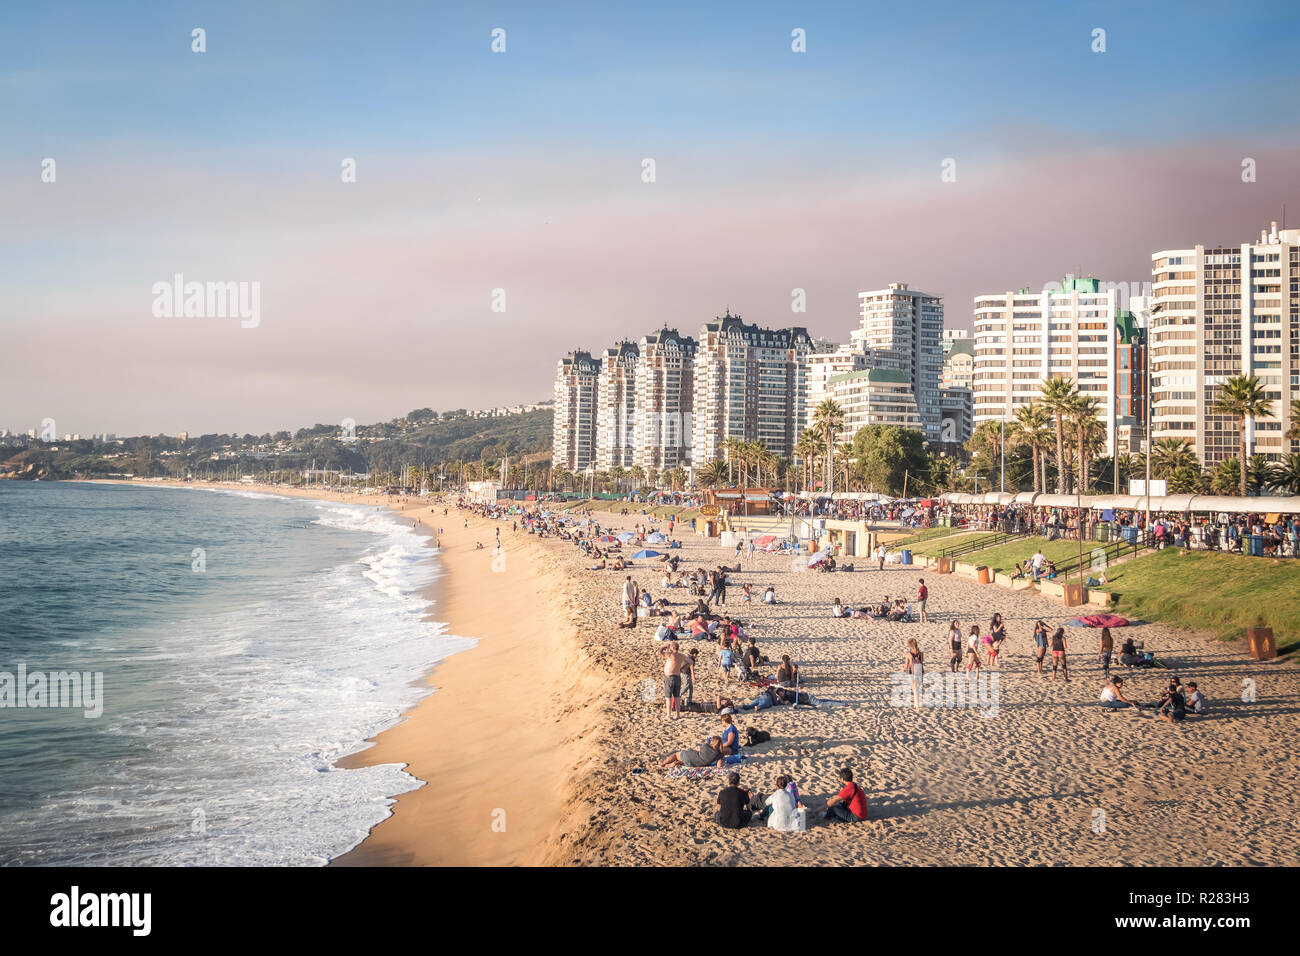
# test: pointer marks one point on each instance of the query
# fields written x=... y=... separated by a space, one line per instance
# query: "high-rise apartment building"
x=825 y=365
x=909 y=325
x=574 y=435
x=665 y=394
x=958 y=359
x=749 y=384
x=1024 y=337
x=875 y=396
x=616 y=406
x=1217 y=312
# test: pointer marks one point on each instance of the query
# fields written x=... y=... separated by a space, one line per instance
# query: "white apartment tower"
x=665 y=393
x=616 y=406
x=749 y=384
x=1024 y=337
x=909 y=325
x=574 y=436
x=1217 y=312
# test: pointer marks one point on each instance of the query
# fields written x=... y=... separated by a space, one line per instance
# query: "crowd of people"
x=761 y=683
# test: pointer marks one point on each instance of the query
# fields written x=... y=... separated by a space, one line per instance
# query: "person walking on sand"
x=880 y=556
x=1058 y=654
x=914 y=667
x=973 y=648
x=954 y=643
x=922 y=592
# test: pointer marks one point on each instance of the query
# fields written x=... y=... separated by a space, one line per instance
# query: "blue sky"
x=520 y=170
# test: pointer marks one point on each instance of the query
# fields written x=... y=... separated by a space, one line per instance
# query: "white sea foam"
x=235 y=765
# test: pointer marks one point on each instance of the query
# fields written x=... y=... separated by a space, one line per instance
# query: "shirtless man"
x=674 y=662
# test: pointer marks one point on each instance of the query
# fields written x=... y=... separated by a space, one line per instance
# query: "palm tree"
x=1242 y=397
x=1293 y=432
x=827 y=420
x=806 y=449
x=1170 y=454
x=1227 y=477
x=1083 y=419
x=716 y=472
x=1261 y=473
x=1287 y=475
x=1186 y=480
x=1058 y=397
x=1031 y=430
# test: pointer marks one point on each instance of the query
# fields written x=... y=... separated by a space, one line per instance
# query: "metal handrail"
x=983 y=543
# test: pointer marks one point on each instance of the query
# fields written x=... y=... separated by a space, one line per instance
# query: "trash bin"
x=984 y=575
x=1262 y=647
x=1256 y=545
x=907 y=556
x=1103 y=531
x=1129 y=533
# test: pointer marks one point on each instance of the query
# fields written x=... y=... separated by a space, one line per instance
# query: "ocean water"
x=232 y=677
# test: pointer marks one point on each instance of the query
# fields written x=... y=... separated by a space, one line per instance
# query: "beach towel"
x=1099 y=620
x=695 y=773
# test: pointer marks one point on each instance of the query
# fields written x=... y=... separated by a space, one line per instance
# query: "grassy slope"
x=1218 y=592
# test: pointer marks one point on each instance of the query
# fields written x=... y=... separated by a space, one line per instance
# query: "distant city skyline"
x=522 y=171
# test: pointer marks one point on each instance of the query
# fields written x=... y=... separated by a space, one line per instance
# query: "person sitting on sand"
x=1174 y=705
x=733 y=805
x=850 y=804
x=769 y=596
x=1112 y=695
x=1196 y=702
x=599 y=567
x=709 y=754
x=1128 y=654
x=779 y=808
x=730 y=735
x=788 y=672
x=1020 y=572
x=753 y=657
x=665 y=633
x=619 y=564
x=837 y=609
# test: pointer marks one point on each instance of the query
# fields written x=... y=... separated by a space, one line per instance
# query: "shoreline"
x=490 y=741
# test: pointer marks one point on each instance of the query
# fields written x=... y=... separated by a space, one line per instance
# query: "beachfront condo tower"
x=665 y=397
x=749 y=384
x=616 y=406
x=909 y=325
x=574 y=438
x=1024 y=337
x=823 y=365
x=1218 y=312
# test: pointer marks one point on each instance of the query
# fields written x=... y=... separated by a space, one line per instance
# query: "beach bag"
x=754 y=736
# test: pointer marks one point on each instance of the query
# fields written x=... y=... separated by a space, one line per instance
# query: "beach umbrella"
x=606 y=539
x=818 y=558
x=764 y=540
x=647 y=554
x=657 y=538
x=626 y=536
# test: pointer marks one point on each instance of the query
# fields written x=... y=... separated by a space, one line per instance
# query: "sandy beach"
x=541 y=745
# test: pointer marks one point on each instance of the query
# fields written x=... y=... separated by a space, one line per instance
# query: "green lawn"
x=921 y=534
x=1005 y=556
x=1217 y=592
x=956 y=538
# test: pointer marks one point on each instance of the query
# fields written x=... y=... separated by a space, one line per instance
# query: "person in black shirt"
x=733 y=805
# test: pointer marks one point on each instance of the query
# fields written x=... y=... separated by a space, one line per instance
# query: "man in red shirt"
x=921 y=594
x=850 y=804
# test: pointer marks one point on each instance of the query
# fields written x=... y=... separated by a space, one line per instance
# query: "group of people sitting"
x=886 y=610
x=783 y=809
x=1175 y=703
